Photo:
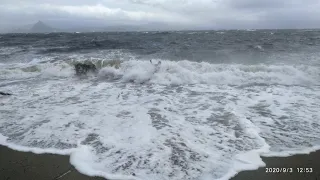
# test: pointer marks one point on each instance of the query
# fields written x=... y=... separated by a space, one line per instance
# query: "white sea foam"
x=186 y=121
x=3 y=142
x=34 y=69
x=182 y=72
x=80 y=157
x=186 y=72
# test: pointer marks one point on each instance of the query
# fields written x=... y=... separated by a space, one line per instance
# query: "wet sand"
x=16 y=165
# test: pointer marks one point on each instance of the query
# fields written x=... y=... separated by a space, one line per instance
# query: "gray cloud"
x=188 y=13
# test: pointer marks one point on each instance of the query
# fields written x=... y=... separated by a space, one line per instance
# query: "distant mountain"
x=41 y=27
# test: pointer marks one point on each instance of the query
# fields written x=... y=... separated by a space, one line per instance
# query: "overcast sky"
x=207 y=14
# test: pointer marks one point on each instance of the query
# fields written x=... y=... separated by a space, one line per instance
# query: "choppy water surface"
x=218 y=101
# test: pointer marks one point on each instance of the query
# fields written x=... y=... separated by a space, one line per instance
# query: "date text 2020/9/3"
x=289 y=170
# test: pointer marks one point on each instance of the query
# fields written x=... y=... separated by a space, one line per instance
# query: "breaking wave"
x=174 y=72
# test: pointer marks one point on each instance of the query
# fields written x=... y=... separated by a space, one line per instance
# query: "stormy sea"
x=217 y=101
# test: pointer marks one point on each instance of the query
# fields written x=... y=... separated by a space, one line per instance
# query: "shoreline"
x=16 y=165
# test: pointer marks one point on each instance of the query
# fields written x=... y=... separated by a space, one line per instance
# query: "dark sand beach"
x=16 y=165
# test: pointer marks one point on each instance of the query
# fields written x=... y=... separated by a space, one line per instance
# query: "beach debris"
x=63 y=174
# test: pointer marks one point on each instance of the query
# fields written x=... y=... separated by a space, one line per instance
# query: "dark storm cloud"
x=192 y=13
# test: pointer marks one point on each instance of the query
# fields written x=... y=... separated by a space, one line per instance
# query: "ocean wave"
x=116 y=127
x=172 y=72
x=186 y=72
x=135 y=119
x=32 y=69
